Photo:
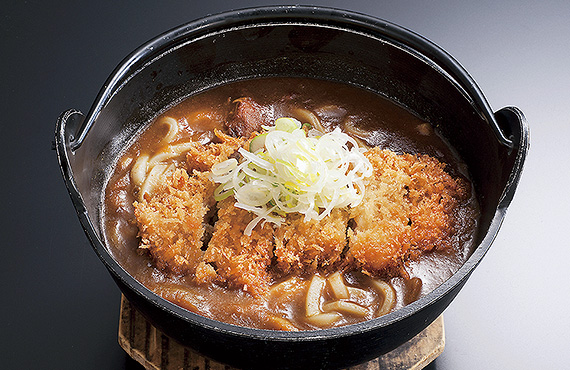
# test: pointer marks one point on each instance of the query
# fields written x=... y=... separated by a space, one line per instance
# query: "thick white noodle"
x=359 y=295
x=389 y=296
x=172 y=129
x=339 y=289
x=313 y=302
x=306 y=116
x=325 y=319
x=152 y=180
x=172 y=151
x=139 y=170
x=145 y=165
x=350 y=308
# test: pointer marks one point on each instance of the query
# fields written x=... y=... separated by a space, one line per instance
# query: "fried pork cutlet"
x=435 y=197
x=408 y=208
x=236 y=259
x=171 y=221
x=202 y=157
x=305 y=247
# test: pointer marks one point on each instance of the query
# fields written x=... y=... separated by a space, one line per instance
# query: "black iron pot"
x=305 y=42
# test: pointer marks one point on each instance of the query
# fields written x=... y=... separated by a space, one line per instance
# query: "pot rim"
x=68 y=142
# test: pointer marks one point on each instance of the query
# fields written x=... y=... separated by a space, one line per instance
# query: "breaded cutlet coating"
x=435 y=197
x=408 y=208
x=411 y=205
x=305 y=247
x=202 y=157
x=378 y=242
x=171 y=221
x=236 y=259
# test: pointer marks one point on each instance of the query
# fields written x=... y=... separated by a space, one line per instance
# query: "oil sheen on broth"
x=168 y=226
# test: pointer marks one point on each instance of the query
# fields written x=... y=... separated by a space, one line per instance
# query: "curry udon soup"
x=290 y=204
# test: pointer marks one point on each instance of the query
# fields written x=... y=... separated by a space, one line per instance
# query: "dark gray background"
x=59 y=307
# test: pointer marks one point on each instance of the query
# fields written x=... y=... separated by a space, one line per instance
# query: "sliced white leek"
x=311 y=174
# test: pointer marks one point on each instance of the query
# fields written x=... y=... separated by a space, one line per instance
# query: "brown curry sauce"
x=372 y=119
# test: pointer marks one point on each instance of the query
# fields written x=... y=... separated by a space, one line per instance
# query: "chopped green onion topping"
x=288 y=170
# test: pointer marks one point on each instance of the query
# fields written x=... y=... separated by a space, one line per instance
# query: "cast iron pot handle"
x=512 y=122
x=69 y=125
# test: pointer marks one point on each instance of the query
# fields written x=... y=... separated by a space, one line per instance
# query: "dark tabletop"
x=59 y=307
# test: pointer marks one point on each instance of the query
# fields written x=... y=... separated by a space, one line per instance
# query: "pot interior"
x=362 y=52
x=162 y=75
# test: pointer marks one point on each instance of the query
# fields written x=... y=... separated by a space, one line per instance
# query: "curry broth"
x=372 y=119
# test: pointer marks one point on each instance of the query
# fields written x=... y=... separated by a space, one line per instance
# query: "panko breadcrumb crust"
x=171 y=221
x=410 y=207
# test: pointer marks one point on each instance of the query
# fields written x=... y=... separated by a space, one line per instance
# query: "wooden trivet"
x=156 y=351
